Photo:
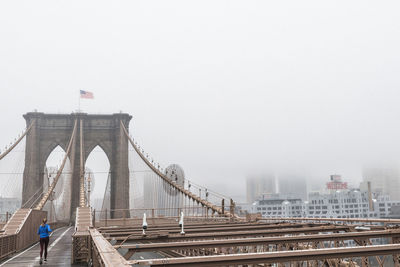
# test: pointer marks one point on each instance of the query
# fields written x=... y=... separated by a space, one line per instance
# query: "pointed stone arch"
x=100 y=178
x=105 y=131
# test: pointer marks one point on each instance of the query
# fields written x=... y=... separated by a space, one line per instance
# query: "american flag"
x=86 y=94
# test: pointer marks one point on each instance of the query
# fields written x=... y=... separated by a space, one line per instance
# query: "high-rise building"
x=258 y=185
x=383 y=180
x=292 y=184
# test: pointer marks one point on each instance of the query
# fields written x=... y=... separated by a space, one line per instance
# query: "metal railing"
x=4 y=217
x=132 y=216
x=20 y=230
x=8 y=245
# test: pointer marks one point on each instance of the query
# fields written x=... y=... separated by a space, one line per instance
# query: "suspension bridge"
x=154 y=216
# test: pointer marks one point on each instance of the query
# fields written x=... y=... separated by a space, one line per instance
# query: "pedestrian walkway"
x=59 y=252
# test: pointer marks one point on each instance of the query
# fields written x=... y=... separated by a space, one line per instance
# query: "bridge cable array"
x=176 y=187
x=46 y=196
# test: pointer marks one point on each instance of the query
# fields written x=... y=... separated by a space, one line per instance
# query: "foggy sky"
x=223 y=88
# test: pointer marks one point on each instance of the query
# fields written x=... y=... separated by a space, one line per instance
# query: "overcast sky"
x=223 y=88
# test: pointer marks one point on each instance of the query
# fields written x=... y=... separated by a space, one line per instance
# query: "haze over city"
x=200 y=133
x=225 y=89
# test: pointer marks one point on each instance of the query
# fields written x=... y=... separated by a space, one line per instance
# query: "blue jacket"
x=44 y=231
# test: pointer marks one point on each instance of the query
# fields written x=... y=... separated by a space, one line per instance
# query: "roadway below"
x=59 y=252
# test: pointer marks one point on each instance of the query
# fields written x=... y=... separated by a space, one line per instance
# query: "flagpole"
x=79 y=102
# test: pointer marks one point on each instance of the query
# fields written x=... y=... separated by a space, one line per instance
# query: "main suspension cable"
x=18 y=140
x=196 y=198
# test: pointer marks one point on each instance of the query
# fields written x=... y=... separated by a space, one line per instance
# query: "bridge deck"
x=59 y=251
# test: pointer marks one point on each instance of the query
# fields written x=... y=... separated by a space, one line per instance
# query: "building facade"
x=341 y=204
x=291 y=184
x=258 y=185
x=383 y=180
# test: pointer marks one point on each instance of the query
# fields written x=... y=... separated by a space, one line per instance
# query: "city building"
x=258 y=185
x=291 y=184
x=278 y=205
x=383 y=180
x=348 y=204
x=340 y=202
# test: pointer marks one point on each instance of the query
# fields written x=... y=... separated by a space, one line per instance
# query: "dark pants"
x=44 y=242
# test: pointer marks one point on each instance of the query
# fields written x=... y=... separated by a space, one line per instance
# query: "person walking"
x=43 y=232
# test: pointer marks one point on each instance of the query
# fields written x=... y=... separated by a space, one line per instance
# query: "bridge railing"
x=106 y=218
x=20 y=230
x=4 y=217
x=8 y=245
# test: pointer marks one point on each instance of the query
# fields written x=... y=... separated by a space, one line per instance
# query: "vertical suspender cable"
x=82 y=168
x=53 y=184
x=167 y=180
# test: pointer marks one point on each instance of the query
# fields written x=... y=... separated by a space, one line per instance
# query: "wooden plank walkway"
x=59 y=252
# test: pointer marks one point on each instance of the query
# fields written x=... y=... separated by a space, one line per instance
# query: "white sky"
x=223 y=88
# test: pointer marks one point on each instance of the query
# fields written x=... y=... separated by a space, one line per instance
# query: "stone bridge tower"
x=51 y=130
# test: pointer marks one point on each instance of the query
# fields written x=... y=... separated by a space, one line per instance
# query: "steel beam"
x=213 y=235
x=177 y=230
x=258 y=241
x=273 y=257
